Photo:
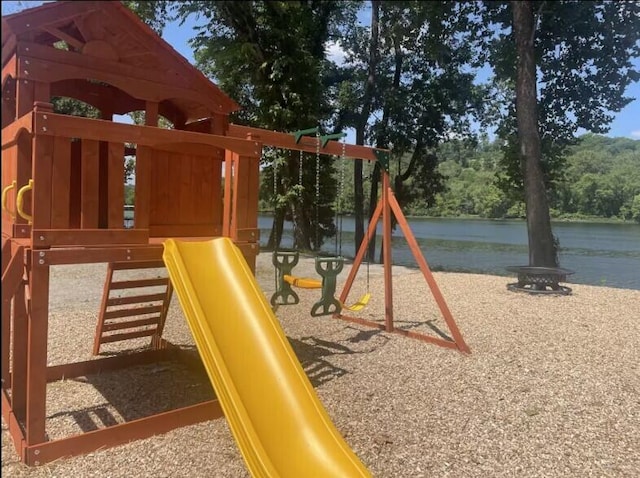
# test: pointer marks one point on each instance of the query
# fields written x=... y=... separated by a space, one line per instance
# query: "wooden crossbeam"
x=309 y=145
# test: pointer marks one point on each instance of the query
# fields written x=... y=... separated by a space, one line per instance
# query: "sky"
x=626 y=123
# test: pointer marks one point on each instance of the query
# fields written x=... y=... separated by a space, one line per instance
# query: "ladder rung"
x=114 y=314
x=122 y=266
x=129 y=335
x=130 y=284
x=135 y=299
x=129 y=324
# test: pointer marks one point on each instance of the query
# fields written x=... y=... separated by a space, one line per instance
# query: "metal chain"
x=368 y=171
x=318 y=190
x=340 y=198
x=300 y=169
x=275 y=184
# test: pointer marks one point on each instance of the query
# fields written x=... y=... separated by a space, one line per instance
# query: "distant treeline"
x=600 y=179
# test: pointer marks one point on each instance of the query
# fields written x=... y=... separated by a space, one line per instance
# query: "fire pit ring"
x=540 y=280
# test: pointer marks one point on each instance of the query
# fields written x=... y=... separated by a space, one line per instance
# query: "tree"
x=413 y=71
x=156 y=14
x=541 y=242
x=579 y=53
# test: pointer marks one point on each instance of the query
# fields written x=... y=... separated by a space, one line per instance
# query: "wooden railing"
x=78 y=176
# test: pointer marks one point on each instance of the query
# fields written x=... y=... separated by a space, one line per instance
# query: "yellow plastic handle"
x=20 y=201
x=5 y=194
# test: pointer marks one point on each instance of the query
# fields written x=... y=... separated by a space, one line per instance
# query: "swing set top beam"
x=307 y=144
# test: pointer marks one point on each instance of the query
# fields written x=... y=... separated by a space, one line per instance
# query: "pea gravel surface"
x=551 y=387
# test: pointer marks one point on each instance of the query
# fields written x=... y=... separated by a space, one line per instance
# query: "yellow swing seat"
x=310 y=283
x=361 y=304
x=303 y=282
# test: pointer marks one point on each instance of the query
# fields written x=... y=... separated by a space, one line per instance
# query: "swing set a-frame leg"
x=387 y=204
x=426 y=272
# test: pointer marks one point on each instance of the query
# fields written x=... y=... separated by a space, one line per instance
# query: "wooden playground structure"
x=63 y=199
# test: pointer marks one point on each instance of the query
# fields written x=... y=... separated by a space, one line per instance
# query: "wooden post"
x=38 y=315
x=38 y=324
x=5 y=319
x=42 y=170
x=151 y=113
x=218 y=124
x=24 y=170
x=386 y=253
x=20 y=356
x=25 y=96
x=244 y=213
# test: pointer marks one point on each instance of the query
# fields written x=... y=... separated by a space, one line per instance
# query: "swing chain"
x=318 y=190
x=275 y=184
x=340 y=199
x=300 y=170
x=341 y=181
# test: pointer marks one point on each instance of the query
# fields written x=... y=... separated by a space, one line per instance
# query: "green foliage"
x=602 y=179
x=584 y=52
x=73 y=107
x=129 y=194
x=423 y=91
x=270 y=57
x=156 y=14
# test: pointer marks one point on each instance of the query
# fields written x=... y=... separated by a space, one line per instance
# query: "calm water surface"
x=600 y=254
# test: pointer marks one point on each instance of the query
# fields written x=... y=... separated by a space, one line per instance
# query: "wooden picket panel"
x=90 y=171
x=144 y=175
x=115 y=195
x=61 y=183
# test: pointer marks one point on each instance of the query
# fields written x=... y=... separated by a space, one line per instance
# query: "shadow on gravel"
x=408 y=325
x=128 y=394
x=313 y=354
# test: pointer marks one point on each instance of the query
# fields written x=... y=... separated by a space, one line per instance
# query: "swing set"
x=329 y=268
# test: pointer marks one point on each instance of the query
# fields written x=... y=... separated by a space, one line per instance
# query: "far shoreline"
x=585 y=220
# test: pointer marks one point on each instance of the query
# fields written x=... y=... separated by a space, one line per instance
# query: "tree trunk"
x=275 y=236
x=367 y=99
x=373 y=202
x=542 y=250
x=382 y=140
x=301 y=228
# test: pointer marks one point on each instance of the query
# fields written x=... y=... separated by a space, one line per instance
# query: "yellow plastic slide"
x=281 y=428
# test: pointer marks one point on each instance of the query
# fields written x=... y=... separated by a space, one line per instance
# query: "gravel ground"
x=551 y=388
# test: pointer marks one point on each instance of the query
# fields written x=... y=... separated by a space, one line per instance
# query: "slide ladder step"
x=140 y=307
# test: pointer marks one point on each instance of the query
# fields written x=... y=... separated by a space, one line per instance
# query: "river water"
x=599 y=253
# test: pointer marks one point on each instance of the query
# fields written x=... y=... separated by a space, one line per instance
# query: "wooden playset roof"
x=110 y=45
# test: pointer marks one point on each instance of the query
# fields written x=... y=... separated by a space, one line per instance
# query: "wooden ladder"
x=138 y=310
